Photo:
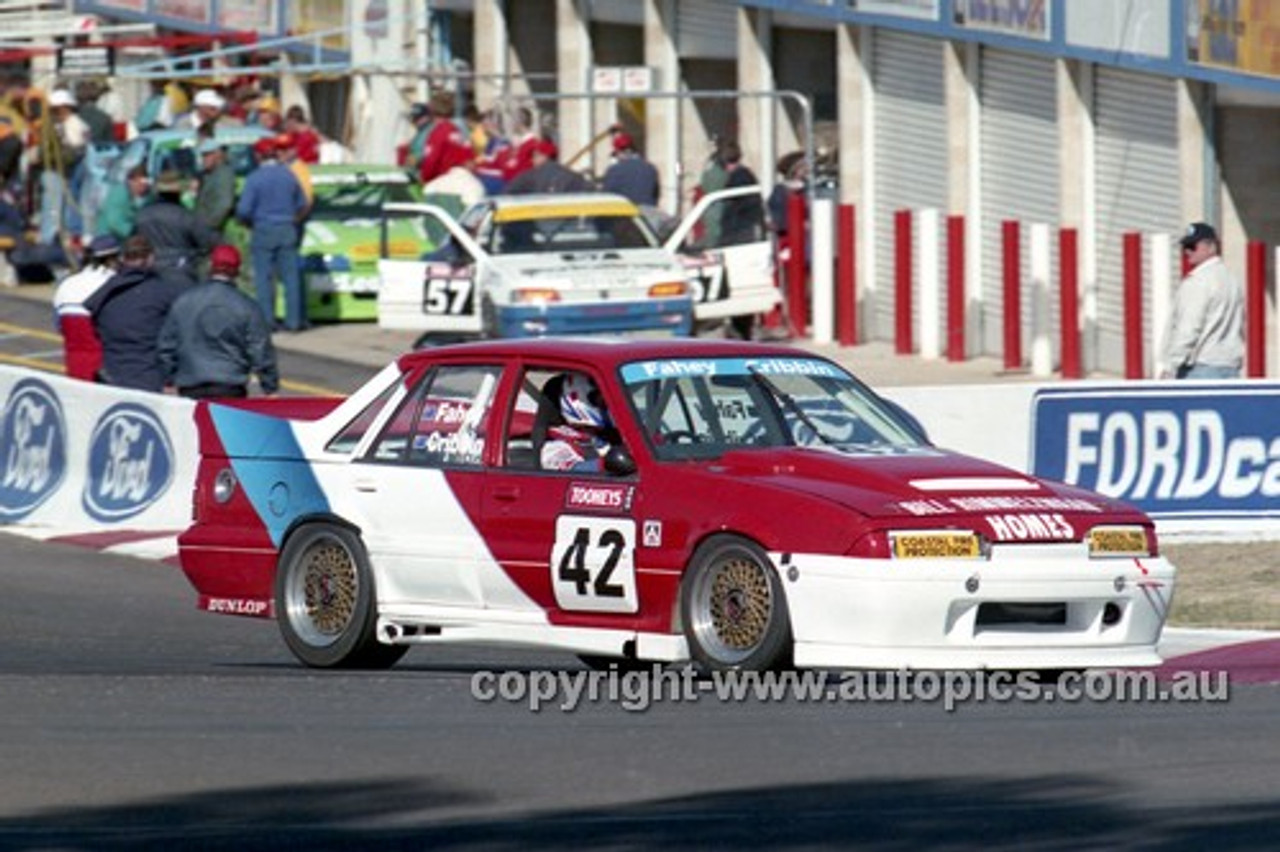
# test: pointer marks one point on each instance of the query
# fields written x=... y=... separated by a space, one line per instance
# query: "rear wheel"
x=324 y=600
x=733 y=608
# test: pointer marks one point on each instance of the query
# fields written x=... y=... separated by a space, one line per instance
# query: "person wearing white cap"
x=206 y=109
x=60 y=156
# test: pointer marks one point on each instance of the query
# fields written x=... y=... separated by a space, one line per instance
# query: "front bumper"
x=672 y=316
x=1044 y=608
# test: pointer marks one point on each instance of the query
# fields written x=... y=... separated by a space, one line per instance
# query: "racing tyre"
x=324 y=600
x=743 y=326
x=733 y=608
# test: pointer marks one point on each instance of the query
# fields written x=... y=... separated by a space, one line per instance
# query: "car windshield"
x=701 y=408
x=357 y=200
x=571 y=234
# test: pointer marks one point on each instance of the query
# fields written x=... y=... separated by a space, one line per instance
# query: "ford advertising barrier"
x=1197 y=456
x=97 y=464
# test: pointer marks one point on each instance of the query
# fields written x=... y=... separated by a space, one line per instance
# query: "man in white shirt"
x=1205 y=339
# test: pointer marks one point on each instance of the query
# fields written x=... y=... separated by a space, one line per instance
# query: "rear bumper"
x=672 y=316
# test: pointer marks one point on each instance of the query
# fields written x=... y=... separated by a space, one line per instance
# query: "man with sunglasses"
x=1204 y=339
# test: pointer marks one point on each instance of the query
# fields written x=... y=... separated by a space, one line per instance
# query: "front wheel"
x=324 y=600
x=733 y=609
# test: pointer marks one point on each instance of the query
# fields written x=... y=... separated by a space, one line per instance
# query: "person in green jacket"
x=120 y=207
x=216 y=198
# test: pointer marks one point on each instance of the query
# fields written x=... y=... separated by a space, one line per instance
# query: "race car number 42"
x=592 y=564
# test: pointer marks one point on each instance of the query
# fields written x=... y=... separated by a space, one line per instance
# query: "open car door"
x=728 y=253
x=435 y=291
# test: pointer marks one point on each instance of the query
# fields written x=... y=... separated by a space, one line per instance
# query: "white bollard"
x=1041 y=261
x=929 y=274
x=823 y=232
x=1161 y=265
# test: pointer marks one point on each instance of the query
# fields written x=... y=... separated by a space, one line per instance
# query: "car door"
x=418 y=484
x=567 y=538
x=436 y=291
x=731 y=272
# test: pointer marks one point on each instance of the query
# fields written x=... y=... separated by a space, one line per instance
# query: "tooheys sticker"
x=597 y=496
x=33 y=452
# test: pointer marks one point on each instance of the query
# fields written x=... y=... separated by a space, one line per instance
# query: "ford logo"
x=130 y=463
x=33 y=449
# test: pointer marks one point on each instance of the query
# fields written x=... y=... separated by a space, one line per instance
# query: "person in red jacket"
x=447 y=144
x=82 y=350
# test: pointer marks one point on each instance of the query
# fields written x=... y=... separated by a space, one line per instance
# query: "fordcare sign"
x=1190 y=452
x=84 y=459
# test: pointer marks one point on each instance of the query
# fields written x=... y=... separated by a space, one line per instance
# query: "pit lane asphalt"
x=128 y=720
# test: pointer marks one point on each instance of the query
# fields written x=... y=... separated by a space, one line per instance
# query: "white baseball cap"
x=61 y=98
x=209 y=98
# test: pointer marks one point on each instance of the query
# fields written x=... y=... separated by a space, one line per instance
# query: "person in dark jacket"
x=180 y=240
x=631 y=175
x=128 y=313
x=216 y=198
x=742 y=219
x=272 y=203
x=547 y=175
x=215 y=337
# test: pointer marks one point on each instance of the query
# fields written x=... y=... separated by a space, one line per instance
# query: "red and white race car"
x=739 y=504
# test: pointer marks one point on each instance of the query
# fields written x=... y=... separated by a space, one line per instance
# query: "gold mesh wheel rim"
x=733 y=609
x=323 y=593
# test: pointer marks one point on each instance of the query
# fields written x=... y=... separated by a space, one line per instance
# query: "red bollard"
x=846 y=276
x=1255 y=310
x=1133 y=367
x=797 y=291
x=1011 y=236
x=955 y=288
x=902 y=274
x=1069 y=306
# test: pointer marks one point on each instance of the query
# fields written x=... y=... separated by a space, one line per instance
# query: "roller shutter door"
x=707 y=29
x=1019 y=180
x=910 y=152
x=1136 y=117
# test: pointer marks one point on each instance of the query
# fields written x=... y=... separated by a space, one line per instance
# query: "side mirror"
x=618 y=461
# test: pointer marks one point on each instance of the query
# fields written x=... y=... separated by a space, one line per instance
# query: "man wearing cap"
x=82 y=351
x=216 y=197
x=128 y=313
x=547 y=175
x=215 y=337
x=181 y=241
x=67 y=142
x=631 y=175
x=272 y=204
x=207 y=110
x=1204 y=338
x=266 y=114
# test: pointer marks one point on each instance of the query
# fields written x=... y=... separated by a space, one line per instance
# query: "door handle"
x=506 y=493
x=368 y=486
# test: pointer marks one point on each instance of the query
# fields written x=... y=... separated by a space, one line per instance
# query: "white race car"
x=535 y=265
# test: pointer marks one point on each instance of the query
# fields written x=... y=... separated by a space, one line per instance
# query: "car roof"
x=606 y=352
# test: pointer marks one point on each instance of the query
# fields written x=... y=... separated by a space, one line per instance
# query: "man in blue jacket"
x=215 y=337
x=128 y=312
x=272 y=204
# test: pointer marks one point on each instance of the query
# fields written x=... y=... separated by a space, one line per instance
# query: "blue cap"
x=103 y=246
x=208 y=146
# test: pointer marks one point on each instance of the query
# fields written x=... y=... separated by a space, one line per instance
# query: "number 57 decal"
x=592 y=564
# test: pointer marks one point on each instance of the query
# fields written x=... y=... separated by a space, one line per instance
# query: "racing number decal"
x=593 y=564
x=451 y=296
x=708 y=280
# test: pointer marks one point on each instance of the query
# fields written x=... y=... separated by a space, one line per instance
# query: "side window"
x=533 y=413
x=444 y=422
x=346 y=440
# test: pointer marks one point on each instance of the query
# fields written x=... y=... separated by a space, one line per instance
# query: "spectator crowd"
x=133 y=246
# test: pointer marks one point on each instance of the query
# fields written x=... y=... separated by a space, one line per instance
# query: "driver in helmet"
x=585 y=437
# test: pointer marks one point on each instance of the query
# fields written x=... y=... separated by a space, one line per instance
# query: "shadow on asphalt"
x=1052 y=813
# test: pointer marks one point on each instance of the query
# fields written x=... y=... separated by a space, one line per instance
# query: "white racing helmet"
x=580 y=403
